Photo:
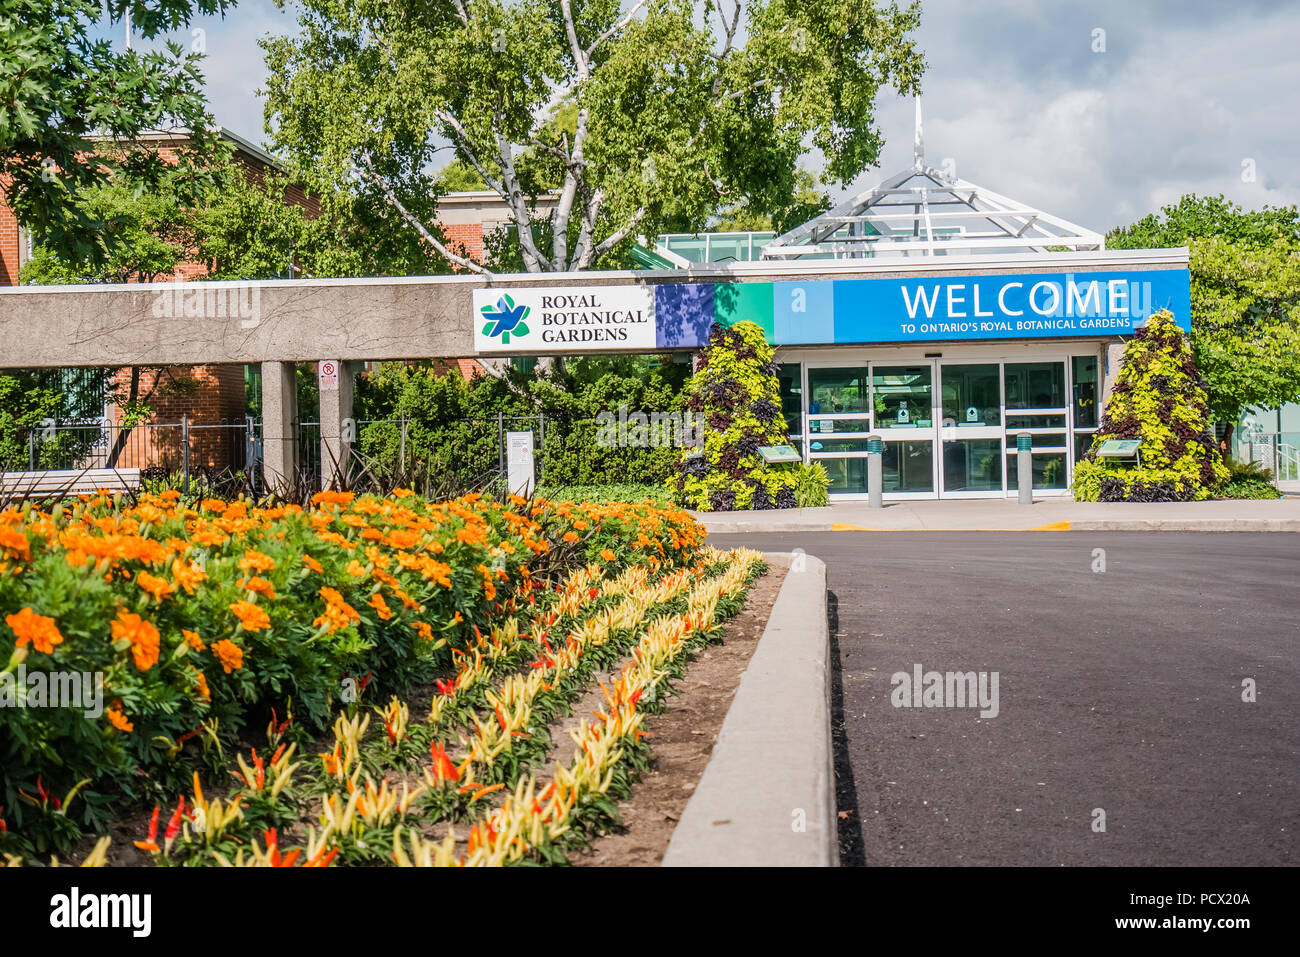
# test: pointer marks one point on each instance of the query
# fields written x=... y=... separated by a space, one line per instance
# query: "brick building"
x=213 y=396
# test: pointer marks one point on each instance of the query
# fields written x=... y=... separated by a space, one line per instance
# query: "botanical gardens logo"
x=505 y=319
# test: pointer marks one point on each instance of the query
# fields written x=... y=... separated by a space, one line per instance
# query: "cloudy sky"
x=1097 y=111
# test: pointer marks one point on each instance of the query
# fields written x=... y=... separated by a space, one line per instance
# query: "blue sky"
x=1183 y=94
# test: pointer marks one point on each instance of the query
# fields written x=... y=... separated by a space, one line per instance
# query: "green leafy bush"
x=812 y=485
x=1159 y=398
x=655 y=494
x=736 y=390
x=1250 y=488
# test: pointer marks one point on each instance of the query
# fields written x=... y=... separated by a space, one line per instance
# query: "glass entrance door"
x=903 y=398
x=971 y=430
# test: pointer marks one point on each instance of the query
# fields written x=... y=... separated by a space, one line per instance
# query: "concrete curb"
x=772 y=767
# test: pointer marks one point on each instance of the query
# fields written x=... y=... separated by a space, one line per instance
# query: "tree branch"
x=616 y=28
x=419 y=227
x=575 y=48
x=467 y=147
x=616 y=237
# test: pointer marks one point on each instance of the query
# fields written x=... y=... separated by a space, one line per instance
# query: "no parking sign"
x=328 y=375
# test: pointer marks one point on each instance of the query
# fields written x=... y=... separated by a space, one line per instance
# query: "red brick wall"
x=466 y=239
x=8 y=241
x=217 y=398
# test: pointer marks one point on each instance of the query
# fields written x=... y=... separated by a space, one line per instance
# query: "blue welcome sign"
x=926 y=308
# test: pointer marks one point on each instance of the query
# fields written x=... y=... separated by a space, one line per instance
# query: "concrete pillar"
x=337 y=428
x=279 y=412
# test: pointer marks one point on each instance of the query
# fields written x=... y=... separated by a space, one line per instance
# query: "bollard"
x=875 y=448
x=1025 y=467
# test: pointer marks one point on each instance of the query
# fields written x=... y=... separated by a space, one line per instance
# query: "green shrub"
x=636 y=494
x=811 y=485
x=735 y=389
x=1159 y=398
x=1250 y=488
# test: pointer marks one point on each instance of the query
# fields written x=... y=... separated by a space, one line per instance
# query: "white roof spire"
x=918 y=144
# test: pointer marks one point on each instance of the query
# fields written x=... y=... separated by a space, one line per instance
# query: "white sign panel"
x=564 y=319
x=519 y=462
x=328 y=375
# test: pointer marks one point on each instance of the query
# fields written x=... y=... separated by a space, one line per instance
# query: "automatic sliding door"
x=904 y=408
x=971 y=428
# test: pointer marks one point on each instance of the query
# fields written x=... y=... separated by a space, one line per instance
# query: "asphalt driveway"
x=1119 y=696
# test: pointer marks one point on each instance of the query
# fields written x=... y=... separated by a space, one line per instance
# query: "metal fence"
x=1277 y=451
x=438 y=455
x=173 y=453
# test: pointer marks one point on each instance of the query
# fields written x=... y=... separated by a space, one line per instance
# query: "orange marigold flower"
x=356 y=569
x=14 y=544
x=380 y=606
x=606 y=554
x=203 y=689
x=40 y=630
x=142 y=635
x=259 y=585
x=187 y=575
x=312 y=564
x=213 y=505
x=570 y=536
x=423 y=630
x=118 y=720
x=155 y=587
x=256 y=561
x=250 y=616
x=332 y=498
x=229 y=654
x=76 y=558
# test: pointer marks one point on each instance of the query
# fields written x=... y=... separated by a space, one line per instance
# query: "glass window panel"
x=972 y=465
x=1085 y=391
x=1035 y=385
x=902 y=397
x=847 y=475
x=972 y=395
x=1082 y=443
x=791 y=395
x=1017 y=422
x=1049 y=471
x=1044 y=440
x=838 y=390
x=689 y=247
x=906 y=467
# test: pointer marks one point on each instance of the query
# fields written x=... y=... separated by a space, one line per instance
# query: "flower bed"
x=208 y=620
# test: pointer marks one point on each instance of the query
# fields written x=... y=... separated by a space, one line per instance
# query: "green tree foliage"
x=452 y=424
x=736 y=390
x=65 y=98
x=141 y=238
x=1159 y=398
x=1245 y=272
x=809 y=201
x=643 y=117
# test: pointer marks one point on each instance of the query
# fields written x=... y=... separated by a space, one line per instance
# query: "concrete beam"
x=372 y=319
x=279 y=412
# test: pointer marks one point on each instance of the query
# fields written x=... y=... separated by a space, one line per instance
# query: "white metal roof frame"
x=922 y=211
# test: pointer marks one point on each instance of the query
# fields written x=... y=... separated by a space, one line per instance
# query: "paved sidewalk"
x=1046 y=515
